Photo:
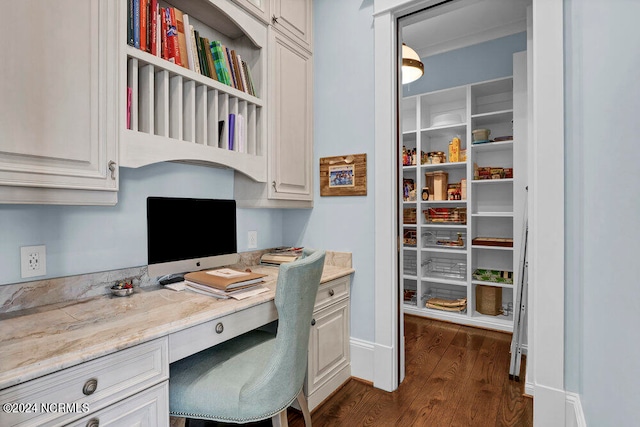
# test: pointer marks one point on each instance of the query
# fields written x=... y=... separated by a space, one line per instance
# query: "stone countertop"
x=39 y=341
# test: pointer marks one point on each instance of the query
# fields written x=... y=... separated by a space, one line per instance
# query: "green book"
x=220 y=63
x=203 y=59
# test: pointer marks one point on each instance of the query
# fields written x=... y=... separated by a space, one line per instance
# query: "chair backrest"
x=296 y=291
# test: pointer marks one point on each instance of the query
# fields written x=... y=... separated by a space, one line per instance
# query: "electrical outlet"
x=252 y=240
x=33 y=261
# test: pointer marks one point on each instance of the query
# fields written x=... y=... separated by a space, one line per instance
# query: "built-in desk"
x=107 y=358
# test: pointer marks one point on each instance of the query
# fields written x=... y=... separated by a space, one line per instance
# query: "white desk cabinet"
x=93 y=386
x=58 y=127
x=329 y=364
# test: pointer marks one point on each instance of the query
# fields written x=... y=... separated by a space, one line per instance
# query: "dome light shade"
x=412 y=67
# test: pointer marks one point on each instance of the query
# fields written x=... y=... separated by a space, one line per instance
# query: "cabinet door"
x=291 y=147
x=294 y=18
x=328 y=345
x=149 y=408
x=258 y=8
x=57 y=99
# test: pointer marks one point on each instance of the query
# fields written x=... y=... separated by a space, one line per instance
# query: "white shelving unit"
x=488 y=210
x=175 y=112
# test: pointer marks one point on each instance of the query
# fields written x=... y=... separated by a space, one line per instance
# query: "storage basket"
x=446 y=268
x=409 y=215
x=489 y=300
x=409 y=238
x=445 y=215
x=444 y=239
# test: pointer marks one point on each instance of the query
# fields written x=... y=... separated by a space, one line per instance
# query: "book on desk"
x=225 y=283
x=281 y=255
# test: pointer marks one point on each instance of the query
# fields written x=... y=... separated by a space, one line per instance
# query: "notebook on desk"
x=224 y=279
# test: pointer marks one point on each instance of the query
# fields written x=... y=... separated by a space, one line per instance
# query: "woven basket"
x=489 y=300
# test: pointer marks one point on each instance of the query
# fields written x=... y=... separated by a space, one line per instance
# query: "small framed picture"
x=343 y=175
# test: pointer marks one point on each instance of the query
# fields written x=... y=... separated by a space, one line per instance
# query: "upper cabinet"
x=259 y=8
x=58 y=121
x=290 y=105
x=294 y=18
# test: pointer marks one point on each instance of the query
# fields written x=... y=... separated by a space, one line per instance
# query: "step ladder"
x=520 y=309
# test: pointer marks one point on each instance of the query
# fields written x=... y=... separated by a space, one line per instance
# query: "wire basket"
x=445 y=215
x=410 y=265
x=446 y=294
x=445 y=268
x=444 y=239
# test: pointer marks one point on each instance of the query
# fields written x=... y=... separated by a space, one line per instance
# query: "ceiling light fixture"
x=412 y=67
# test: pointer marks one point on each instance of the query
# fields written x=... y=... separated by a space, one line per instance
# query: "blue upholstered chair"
x=257 y=375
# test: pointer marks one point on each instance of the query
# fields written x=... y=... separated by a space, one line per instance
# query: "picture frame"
x=343 y=175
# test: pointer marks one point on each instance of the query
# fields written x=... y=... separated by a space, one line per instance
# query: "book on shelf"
x=182 y=39
x=187 y=38
x=129 y=99
x=236 y=71
x=229 y=62
x=232 y=130
x=243 y=78
x=130 y=18
x=217 y=279
x=153 y=27
x=209 y=57
x=204 y=70
x=247 y=71
x=164 y=49
x=194 y=50
x=144 y=12
x=220 y=132
x=172 y=37
x=241 y=134
x=219 y=63
x=136 y=23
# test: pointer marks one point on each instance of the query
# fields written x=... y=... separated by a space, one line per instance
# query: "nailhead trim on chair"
x=234 y=420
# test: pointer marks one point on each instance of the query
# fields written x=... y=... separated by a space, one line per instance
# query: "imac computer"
x=185 y=235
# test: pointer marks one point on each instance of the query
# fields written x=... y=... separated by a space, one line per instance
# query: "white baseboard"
x=362 y=356
x=575 y=416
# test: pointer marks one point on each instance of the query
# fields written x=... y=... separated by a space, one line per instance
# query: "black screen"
x=180 y=228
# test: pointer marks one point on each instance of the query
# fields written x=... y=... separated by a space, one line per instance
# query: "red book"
x=172 y=39
x=144 y=12
x=163 y=33
x=153 y=32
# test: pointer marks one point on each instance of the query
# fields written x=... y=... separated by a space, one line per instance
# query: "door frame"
x=545 y=360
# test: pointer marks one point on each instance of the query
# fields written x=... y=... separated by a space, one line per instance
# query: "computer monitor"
x=185 y=234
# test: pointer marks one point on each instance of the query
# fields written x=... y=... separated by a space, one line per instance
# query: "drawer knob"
x=313 y=322
x=90 y=386
x=331 y=292
x=219 y=328
x=93 y=422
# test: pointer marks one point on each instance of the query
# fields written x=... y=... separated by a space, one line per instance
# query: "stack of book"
x=167 y=33
x=226 y=283
x=280 y=256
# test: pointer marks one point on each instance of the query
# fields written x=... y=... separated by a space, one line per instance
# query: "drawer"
x=149 y=408
x=197 y=338
x=332 y=291
x=75 y=392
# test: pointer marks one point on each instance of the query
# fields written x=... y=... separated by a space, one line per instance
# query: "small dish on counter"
x=122 y=289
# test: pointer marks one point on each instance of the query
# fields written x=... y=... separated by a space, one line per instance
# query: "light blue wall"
x=483 y=61
x=83 y=239
x=343 y=124
x=602 y=155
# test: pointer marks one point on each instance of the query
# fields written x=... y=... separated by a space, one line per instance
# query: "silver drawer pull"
x=219 y=328
x=93 y=422
x=331 y=292
x=90 y=386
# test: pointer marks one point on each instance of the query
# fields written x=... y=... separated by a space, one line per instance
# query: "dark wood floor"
x=455 y=376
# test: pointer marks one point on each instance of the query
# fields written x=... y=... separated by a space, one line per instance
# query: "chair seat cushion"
x=208 y=384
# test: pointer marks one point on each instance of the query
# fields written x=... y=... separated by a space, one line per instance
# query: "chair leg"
x=302 y=402
x=280 y=419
